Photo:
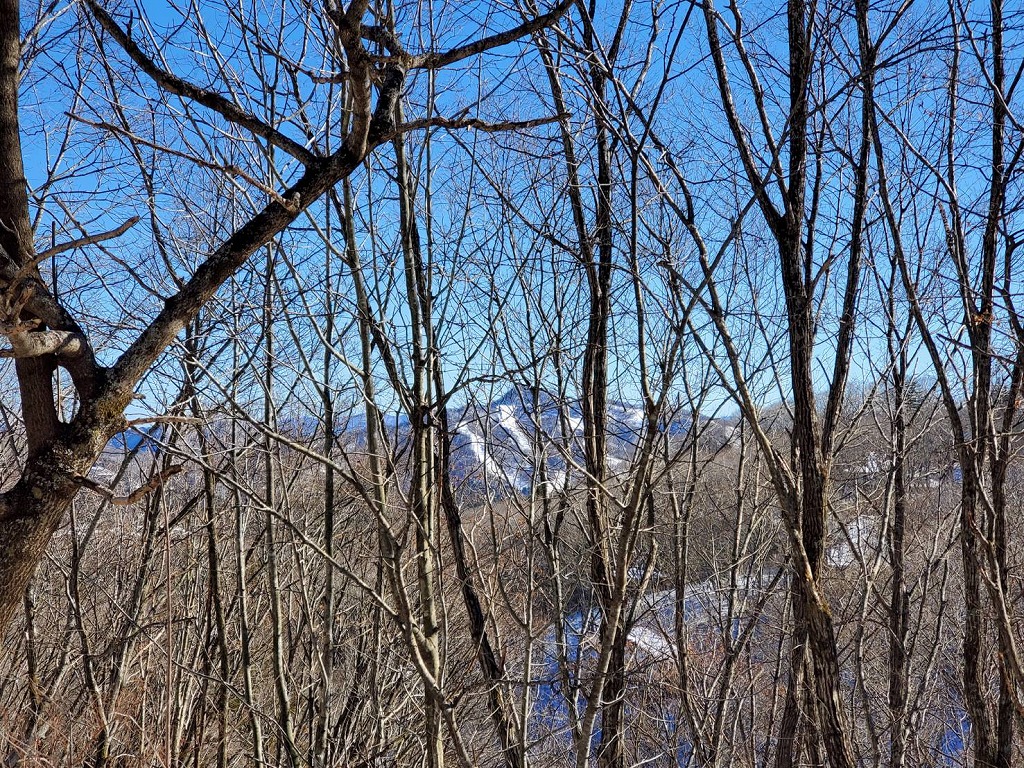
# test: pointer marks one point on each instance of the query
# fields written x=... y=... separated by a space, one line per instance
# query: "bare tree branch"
x=475 y=123
x=87 y=240
x=437 y=60
x=180 y=87
x=38 y=343
x=139 y=493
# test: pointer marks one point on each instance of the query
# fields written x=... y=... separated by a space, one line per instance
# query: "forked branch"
x=178 y=86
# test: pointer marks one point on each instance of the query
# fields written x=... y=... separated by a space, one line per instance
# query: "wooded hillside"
x=426 y=383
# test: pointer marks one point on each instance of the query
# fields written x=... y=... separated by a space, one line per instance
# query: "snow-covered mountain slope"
x=528 y=437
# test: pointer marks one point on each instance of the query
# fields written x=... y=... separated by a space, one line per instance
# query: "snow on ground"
x=652 y=643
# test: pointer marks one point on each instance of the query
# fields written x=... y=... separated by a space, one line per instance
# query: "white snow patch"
x=483 y=457
x=651 y=642
x=507 y=420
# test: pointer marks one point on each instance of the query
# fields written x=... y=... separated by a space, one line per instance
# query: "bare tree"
x=977 y=364
x=42 y=333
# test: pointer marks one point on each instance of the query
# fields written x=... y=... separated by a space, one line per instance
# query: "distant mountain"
x=147 y=440
x=529 y=436
x=509 y=444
